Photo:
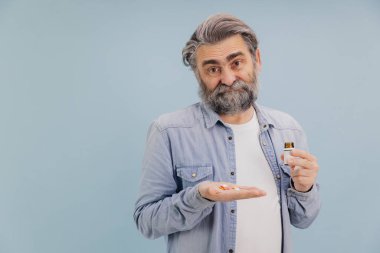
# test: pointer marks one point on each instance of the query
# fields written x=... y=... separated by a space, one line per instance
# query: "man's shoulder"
x=183 y=118
x=280 y=119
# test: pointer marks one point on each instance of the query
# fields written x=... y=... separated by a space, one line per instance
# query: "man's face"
x=228 y=75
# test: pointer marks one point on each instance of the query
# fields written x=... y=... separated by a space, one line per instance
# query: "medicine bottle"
x=288 y=147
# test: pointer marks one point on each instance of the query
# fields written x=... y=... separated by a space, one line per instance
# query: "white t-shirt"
x=258 y=219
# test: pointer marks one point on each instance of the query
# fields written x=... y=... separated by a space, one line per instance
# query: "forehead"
x=222 y=49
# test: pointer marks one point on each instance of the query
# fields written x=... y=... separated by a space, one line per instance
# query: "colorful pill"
x=223 y=187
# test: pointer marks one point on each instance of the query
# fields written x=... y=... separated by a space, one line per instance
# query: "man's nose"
x=228 y=77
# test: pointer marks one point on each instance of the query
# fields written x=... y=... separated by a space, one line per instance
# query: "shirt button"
x=232 y=173
x=278 y=176
x=194 y=175
x=264 y=143
x=231 y=251
x=232 y=210
x=230 y=137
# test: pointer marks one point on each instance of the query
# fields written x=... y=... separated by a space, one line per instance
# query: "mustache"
x=238 y=85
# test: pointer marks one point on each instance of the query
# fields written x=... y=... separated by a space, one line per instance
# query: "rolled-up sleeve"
x=303 y=206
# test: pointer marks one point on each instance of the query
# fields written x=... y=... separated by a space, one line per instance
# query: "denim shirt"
x=193 y=145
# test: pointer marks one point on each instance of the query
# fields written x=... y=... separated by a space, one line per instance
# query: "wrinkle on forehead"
x=221 y=50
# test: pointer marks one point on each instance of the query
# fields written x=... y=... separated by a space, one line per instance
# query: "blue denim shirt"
x=187 y=147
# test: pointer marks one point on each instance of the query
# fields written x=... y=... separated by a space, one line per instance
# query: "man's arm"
x=303 y=195
x=159 y=210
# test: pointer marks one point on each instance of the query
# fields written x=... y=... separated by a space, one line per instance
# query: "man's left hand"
x=303 y=169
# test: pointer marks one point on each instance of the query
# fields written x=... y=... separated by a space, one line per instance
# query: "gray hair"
x=215 y=29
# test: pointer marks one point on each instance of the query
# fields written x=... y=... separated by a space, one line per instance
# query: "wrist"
x=301 y=188
x=202 y=191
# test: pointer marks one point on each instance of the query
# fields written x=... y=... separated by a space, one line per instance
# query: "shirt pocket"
x=192 y=175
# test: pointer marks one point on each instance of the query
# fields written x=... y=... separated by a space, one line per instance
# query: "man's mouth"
x=233 y=90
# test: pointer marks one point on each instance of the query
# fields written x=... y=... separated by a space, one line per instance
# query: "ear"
x=258 y=59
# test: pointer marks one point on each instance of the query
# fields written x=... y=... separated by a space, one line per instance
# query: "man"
x=213 y=176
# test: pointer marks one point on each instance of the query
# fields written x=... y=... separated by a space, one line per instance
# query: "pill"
x=223 y=187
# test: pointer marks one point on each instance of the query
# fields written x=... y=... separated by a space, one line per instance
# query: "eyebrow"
x=228 y=58
x=212 y=61
x=234 y=55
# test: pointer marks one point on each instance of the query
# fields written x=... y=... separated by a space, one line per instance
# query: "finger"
x=254 y=192
x=301 y=172
x=230 y=195
x=301 y=162
x=247 y=192
x=250 y=188
x=303 y=154
x=294 y=171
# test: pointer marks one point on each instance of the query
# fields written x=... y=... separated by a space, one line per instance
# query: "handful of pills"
x=225 y=187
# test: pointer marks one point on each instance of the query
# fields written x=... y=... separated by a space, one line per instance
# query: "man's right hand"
x=221 y=191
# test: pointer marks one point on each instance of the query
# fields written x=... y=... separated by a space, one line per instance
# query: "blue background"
x=80 y=82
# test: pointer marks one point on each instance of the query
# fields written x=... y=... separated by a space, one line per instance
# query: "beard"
x=230 y=99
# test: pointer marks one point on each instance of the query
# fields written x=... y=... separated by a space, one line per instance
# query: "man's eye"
x=237 y=63
x=213 y=70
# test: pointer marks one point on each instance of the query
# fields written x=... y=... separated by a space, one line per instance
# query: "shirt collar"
x=211 y=117
x=264 y=121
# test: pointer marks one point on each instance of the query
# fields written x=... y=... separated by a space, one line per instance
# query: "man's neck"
x=239 y=118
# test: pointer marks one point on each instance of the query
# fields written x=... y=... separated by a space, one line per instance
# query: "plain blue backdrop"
x=80 y=82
